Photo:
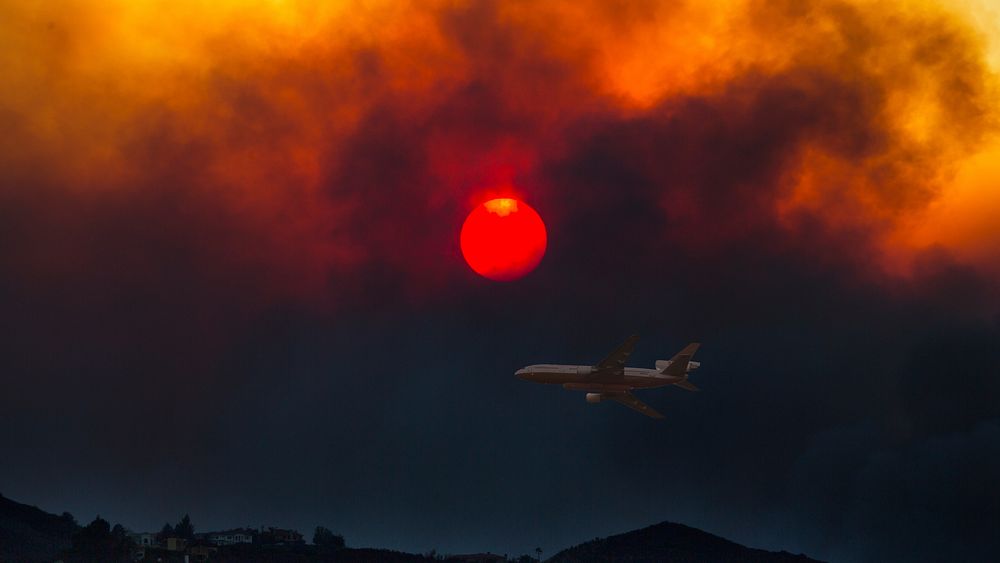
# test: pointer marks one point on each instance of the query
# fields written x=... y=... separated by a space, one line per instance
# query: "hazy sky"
x=231 y=284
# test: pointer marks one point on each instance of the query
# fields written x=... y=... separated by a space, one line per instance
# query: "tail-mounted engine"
x=664 y=364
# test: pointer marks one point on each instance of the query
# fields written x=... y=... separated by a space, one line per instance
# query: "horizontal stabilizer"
x=685 y=384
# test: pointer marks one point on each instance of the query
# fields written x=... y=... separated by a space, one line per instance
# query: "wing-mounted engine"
x=594 y=398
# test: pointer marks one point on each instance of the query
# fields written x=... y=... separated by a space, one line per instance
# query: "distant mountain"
x=29 y=534
x=670 y=542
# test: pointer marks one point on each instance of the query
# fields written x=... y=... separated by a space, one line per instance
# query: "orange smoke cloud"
x=296 y=151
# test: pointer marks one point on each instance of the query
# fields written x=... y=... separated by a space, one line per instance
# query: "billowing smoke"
x=189 y=192
x=309 y=153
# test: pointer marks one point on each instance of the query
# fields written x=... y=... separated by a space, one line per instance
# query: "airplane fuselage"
x=586 y=378
x=611 y=380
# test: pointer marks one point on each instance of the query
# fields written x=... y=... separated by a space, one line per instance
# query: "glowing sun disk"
x=503 y=239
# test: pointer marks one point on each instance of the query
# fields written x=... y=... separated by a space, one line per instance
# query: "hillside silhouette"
x=668 y=541
x=29 y=535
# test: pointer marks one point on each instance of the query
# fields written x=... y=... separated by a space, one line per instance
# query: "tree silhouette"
x=538 y=552
x=99 y=542
x=166 y=532
x=184 y=528
x=323 y=538
x=93 y=537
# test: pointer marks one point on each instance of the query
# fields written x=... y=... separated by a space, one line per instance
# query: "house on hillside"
x=176 y=544
x=201 y=550
x=230 y=537
x=279 y=536
x=144 y=539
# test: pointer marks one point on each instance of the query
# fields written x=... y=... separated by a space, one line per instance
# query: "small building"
x=202 y=551
x=281 y=536
x=144 y=539
x=230 y=537
x=176 y=544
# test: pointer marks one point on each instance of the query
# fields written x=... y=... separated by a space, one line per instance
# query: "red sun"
x=503 y=239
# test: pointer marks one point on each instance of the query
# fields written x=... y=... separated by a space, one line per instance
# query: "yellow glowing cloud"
x=263 y=93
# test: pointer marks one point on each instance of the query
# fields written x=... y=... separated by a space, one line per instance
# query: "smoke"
x=324 y=152
x=188 y=193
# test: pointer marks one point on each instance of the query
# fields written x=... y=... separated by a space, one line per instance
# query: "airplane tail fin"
x=678 y=365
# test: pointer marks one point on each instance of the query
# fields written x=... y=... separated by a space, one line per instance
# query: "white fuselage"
x=584 y=378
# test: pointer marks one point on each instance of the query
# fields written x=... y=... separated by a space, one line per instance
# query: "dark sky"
x=232 y=287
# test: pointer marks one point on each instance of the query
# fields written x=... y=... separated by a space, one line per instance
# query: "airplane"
x=611 y=380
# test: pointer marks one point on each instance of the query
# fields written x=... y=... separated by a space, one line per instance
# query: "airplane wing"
x=630 y=401
x=685 y=384
x=679 y=363
x=615 y=362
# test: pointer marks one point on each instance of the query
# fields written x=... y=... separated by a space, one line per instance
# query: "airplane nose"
x=521 y=373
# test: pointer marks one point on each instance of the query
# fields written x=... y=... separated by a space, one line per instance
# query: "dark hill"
x=670 y=542
x=29 y=534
